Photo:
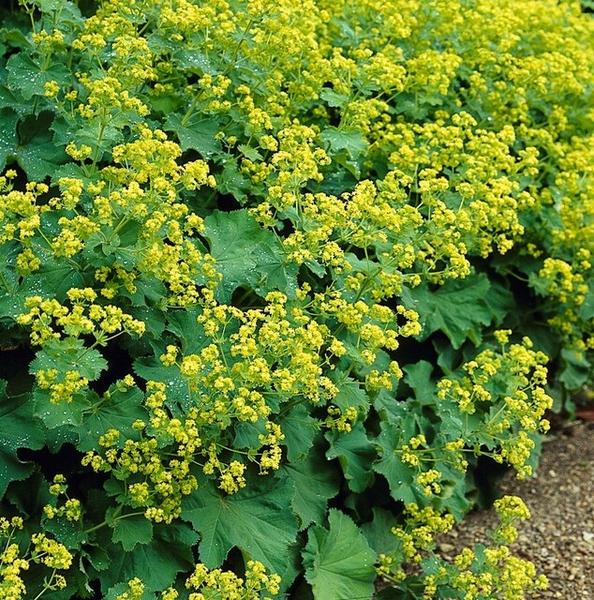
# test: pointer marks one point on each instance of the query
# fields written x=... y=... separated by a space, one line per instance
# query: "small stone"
x=588 y=536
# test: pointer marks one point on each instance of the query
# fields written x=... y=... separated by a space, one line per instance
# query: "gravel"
x=559 y=538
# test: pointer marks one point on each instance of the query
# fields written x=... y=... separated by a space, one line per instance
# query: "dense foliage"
x=281 y=284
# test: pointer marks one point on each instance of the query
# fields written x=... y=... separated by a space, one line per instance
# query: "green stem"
x=118 y=518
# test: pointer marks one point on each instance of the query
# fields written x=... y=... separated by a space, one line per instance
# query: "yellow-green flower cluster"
x=509 y=509
x=157 y=479
x=503 y=576
x=135 y=590
x=50 y=320
x=421 y=526
x=483 y=572
x=20 y=215
x=506 y=390
x=276 y=350
x=488 y=572
x=257 y=584
x=71 y=509
x=12 y=586
x=216 y=584
x=341 y=420
x=41 y=550
x=145 y=190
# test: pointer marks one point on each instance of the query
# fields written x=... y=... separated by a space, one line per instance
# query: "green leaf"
x=69 y=354
x=351 y=393
x=27 y=78
x=177 y=387
x=232 y=181
x=378 y=532
x=339 y=564
x=18 y=429
x=194 y=59
x=95 y=133
x=39 y=158
x=58 y=414
x=156 y=564
x=195 y=134
x=247 y=434
x=183 y=324
x=400 y=476
x=118 y=411
x=20 y=496
x=8 y=135
x=500 y=301
x=53 y=279
x=458 y=308
x=315 y=483
x=37 y=153
x=255 y=520
x=115 y=592
x=352 y=142
x=64 y=531
x=355 y=455
x=299 y=429
x=14 y=37
x=346 y=147
x=332 y=98
x=418 y=377
x=252 y=153
x=247 y=254
x=587 y=308
x=130 y=531
x=46 y=6
x=576 y=369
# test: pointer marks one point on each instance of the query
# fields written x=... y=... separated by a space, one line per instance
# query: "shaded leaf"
x=299 y=429
x=576 y=368
x=332 y=98
x=378 y=532
x=8 y=135
x=18 y=429
x=171 y=550
x=418 y=376
x=587 y=308
x=400 y=476
x=315 y=483
x=355 y=455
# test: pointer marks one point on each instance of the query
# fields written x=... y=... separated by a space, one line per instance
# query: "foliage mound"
x=282 y=284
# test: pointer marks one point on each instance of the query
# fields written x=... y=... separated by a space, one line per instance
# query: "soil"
x=559 y=538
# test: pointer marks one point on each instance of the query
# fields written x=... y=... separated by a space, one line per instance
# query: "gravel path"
x=559 y=538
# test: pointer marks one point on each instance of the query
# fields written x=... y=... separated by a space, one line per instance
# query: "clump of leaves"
x=275 y=277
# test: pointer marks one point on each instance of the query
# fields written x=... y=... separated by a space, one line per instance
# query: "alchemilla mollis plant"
x=278 y=281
